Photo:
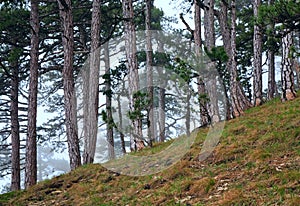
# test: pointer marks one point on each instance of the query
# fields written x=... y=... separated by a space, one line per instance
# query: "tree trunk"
x=161 y=98
x=272 y=90
x=31 y=150
x=239 y=101
x=110 y=122
x=209 y=24
x=65 y=10
x=188 y=113
x=204 y=115
x=287 y=74
x=257 y=60
x=271 y=75
x=93 y=86
x=15 y=134
x=133 y=77
x=149 y=51
x=223 y=20
x=122 y=136
x=162 y=114
x=209 y=33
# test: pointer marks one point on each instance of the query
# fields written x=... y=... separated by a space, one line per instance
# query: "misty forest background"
x=45 y=47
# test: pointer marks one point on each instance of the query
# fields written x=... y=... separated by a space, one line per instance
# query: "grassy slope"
x=256 y=163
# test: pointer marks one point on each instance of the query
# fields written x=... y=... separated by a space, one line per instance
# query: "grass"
x=257 y=162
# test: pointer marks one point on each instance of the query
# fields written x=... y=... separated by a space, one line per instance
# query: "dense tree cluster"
x=47 y=46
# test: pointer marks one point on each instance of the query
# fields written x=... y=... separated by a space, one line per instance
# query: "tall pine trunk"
x=271 y=75
x=65 y=10
x=257 y=60
x=15 y=133
x=149 y=56
x=272 y=90
x=110 y=122
x=204 y=115
x=222 y=16
x=238 y=98
x=133 y=77
x=161 y=98
x=31 y=150
x=122 y=136
x=287 y=74
x=209 y=33
x=91 y=129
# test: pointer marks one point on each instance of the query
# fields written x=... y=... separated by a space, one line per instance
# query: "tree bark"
x=287 y=74
x=239 y=101
x=65 y=10
x=209 y=24
x=271 y=75
x=204 y=115
x=162 y=98
x=122 y=136
x=162 y=114
x=188 y=113
x=93 y=86
x=31 y=149
x=222 y=16
x=209 y=33
x=272 y=90
x=110 y=123
x=149 y=56
x=15 y=133
x=133 y=77
x=257 y=60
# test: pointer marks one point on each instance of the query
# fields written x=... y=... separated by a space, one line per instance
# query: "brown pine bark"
x=161 y=98
x=133 y=77
x=109 y=125
x=149 y=51
x=162 y=114
x=65 y=11
x=239 y=101
x=204 y=112
x=209 y=24
x=122 y=136
x=271 y=75
x=31 y=149
x=15 y=134
x=91 y=129
x=209 y=33
x=257 y=60
x=287 y=74
x=222 y=16
x=272 y=90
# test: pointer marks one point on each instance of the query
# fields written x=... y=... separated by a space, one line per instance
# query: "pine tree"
x=257 y=59
x=92 y=83
x=65 y=10
x=287 y=73
x=133 y=78
x=149 y=56
x=31 y=148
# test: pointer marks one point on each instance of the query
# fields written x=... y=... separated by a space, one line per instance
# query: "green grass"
x=257 y=162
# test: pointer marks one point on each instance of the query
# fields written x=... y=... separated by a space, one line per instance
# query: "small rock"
x=147 y=187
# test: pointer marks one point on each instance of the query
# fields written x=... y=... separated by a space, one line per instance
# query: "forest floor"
x=257 y=162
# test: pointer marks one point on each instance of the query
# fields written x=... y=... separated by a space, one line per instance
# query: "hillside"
x=256 y=163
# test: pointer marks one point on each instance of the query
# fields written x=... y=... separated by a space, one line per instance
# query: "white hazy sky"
x=172 y=9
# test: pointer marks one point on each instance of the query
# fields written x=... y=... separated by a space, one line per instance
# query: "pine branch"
x=186 y=24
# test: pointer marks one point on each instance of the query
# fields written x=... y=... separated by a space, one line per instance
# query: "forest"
x=101 y=79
